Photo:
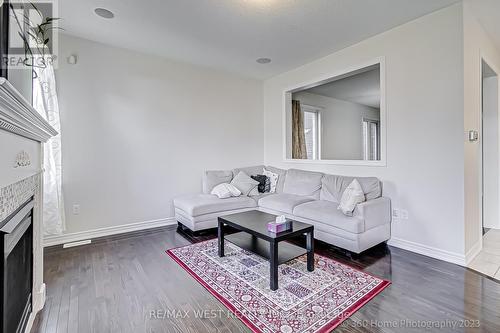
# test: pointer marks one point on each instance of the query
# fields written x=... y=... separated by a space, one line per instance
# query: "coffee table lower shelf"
x=259 y=246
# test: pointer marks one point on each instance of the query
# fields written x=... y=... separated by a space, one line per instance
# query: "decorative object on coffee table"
x=255 y=237
x=281 y=224
x=279 y=227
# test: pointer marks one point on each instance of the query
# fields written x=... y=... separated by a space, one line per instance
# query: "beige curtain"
x=298 y=135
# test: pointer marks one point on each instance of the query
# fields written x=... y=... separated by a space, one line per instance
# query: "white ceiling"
x=363 y=88
x=232 y=34
x=487 y=13
x=487 y=70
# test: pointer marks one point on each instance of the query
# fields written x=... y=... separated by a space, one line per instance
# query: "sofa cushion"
x=199 y=204
x=281 y=177
x=301 y=182
x=250 y=171
x=333 y=186
x=326 y=212
x=260 y=196
x=212 y=178
x=283 y=202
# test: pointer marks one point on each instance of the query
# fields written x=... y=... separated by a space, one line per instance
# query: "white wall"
x=138 y=130
x=490 y=123
x=477 y=45
x=425 y=150
x=341 y=125
x=22 y=80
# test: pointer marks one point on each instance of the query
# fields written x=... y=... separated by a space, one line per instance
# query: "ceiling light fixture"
x=263 y=61
x=104 y=13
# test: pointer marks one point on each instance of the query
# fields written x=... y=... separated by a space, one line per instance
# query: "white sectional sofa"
x=306 y=196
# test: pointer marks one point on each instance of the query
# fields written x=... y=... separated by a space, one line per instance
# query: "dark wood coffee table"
x=255 y=237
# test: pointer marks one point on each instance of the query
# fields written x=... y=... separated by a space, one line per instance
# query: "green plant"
x=35 y=37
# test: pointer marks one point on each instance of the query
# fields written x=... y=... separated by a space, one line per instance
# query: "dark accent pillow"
x=262 y=183
x=267 y=189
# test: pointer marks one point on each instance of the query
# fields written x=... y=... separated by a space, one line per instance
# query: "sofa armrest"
x=375 y=212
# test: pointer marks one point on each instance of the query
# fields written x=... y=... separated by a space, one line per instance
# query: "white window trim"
x=363 y=148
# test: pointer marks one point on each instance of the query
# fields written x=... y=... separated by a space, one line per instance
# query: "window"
x=311 y=130
x=371 y=139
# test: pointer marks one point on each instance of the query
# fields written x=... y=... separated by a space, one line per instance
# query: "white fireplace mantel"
x=22 y=133
x=19 y=117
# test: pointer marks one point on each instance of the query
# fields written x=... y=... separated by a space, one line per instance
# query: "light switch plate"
x=473 y=135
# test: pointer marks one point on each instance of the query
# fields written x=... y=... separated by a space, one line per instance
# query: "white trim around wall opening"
x=325 y=78
x=483 y=57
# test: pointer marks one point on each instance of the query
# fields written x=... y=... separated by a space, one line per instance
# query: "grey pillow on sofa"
x=212 y=178
x=244 y=183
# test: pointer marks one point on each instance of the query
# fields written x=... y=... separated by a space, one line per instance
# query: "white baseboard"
x=425 y=250
x=107 y=231
x=429 y=251
x=38 y=299
x=474 y=251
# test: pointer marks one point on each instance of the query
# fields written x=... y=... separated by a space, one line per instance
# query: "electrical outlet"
x=76 y=209
x=401 y=214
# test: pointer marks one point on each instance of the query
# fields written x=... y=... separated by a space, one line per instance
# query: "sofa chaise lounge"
x=306 y=196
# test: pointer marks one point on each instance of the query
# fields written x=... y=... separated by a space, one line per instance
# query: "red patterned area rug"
x=305 y=301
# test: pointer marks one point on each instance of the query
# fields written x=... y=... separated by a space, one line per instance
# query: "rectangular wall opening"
x=490 y=149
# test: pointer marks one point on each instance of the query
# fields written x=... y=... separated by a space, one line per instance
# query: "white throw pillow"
x=352 y=196
x=225 y=190
x=273 y=179
x=244 y=183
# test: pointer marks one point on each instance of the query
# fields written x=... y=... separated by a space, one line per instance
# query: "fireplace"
x=16 y=238
x=22 y=132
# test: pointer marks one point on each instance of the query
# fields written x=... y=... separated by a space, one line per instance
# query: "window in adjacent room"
x=371 y=139
x=311 y=131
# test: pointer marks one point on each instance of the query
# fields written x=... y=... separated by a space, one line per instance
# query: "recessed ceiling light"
x=105 y=13
x=263 y=60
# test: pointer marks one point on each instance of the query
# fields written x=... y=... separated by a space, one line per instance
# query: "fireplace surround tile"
x=14 y=195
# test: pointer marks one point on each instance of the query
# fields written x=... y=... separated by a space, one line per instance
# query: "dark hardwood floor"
x=128 y=284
